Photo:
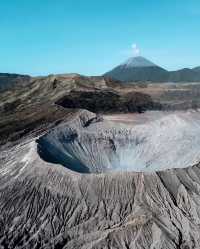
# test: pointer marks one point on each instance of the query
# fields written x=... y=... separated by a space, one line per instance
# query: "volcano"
x=138 y=69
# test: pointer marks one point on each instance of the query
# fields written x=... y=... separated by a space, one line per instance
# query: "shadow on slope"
x=52 y=154
x=106 y=101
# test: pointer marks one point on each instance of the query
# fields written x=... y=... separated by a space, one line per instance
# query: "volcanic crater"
x=99 y=145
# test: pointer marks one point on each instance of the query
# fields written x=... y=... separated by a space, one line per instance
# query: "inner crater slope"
x=152 y=141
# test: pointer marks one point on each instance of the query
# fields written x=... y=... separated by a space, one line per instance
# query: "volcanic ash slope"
x=51 y=196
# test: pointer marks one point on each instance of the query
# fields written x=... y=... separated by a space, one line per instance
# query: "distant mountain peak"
x=138 y=61
x=140 y=69
x=196 y=69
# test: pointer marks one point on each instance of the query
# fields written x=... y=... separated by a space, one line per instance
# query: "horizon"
x=87 y=38
x=68 y=73
x=75 y=73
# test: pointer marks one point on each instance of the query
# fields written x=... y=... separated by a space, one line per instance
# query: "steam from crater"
x=135 y=49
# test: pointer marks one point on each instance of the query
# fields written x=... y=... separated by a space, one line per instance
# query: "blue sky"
x=40 y=37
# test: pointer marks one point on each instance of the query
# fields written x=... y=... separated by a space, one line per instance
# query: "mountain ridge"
x=134 y=69
x=9 y=80
x=141 y=69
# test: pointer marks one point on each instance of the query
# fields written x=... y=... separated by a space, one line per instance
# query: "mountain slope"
x=140 y=69
x=196 y=69
x=8 y=81
x=184 y=75
x=138 y=61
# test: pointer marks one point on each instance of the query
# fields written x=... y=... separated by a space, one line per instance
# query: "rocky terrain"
x=39 y=102
x=71 y=178
x=8 y=81
x=107 y=101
